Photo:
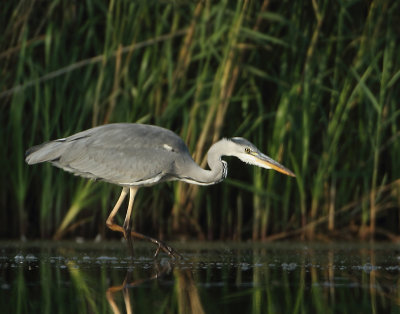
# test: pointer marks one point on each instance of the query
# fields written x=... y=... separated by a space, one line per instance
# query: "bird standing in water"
x=138 y=155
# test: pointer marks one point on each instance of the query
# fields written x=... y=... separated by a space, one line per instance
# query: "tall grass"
x=314 y=85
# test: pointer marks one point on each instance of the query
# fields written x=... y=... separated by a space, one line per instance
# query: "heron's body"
x=125 y=154
x=136 y=155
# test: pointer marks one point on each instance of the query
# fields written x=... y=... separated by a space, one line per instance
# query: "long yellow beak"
x=267 y=162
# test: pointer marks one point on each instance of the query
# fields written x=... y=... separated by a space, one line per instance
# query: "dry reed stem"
x=181 y=68
x=309 y=55
x=218 y=112
x=185 y=55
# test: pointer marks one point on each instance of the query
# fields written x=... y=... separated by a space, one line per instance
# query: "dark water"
x=59 y=277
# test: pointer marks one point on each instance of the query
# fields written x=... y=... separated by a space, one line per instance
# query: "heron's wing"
x=120 y=165
x=125 y=154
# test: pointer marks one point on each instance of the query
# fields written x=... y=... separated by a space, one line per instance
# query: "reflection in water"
x=187 y=294
x=129 y=283
x=272 y=278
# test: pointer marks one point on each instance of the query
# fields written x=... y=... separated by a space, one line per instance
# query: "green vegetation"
x=313 y=84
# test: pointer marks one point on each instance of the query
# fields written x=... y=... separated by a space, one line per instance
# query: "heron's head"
x=248 y=153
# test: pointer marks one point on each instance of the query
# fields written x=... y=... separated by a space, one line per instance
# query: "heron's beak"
x=267 y=162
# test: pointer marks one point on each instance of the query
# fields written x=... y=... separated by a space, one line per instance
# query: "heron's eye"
x=247 y=150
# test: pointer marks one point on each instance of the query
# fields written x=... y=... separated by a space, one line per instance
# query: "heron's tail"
x=50 y=151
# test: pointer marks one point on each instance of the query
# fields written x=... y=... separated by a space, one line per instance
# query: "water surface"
x=66 y=277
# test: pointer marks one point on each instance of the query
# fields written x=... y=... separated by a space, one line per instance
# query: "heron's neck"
x=218 y=168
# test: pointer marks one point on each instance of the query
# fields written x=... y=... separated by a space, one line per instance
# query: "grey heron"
x=137 y=155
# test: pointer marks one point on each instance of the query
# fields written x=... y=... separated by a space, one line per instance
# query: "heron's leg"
x=110 y=220
x=127 y=222
x=128 y=230
x=113 y=226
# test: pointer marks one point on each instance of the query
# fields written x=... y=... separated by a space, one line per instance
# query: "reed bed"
x=313 y=84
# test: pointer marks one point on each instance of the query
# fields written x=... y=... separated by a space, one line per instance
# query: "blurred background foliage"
x=314 y=84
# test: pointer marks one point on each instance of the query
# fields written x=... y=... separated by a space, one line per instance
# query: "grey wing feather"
x=124 y=154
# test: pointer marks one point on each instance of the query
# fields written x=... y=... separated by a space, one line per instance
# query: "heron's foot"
x=167 y=249
x=160 y=245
